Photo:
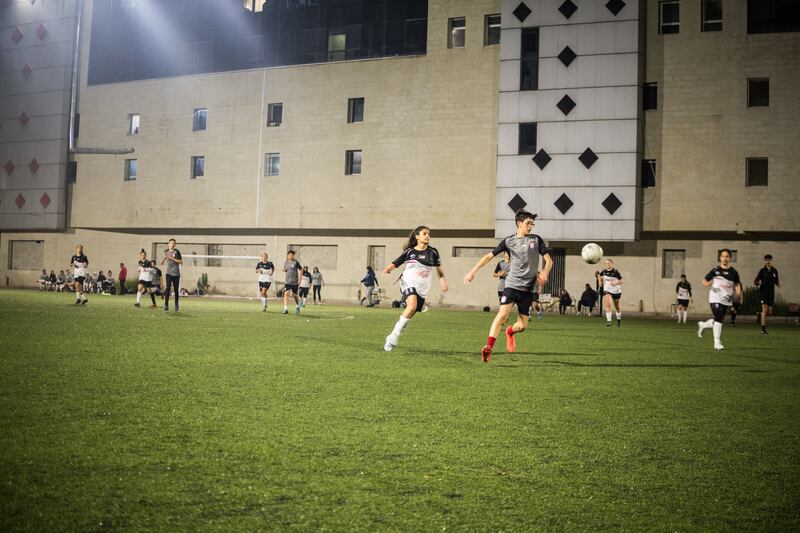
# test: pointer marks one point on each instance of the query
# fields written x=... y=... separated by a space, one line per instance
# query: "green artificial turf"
x=223 y=418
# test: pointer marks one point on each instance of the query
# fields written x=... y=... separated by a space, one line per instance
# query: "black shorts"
x=536 y=297
x=683 y=303
x=615 y=295
x=80 y=279
x=499 y=294
x=145 y=284
x=719 y=311
x=264 y=284
x=767 y=297
x=735 y=306
x=303 y=292
x=290 y=288
x=523 y=299
x=411 y=291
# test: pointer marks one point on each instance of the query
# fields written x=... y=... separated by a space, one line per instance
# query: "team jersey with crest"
x=145 y=272
x=156 y=273
x=723 y=283
x=767 y=278
x=419 y=269
x=502 y=266
x=610 y=276
x=305 y=280
x=173 y=268
x=523 y=253
x=684 y=290
x=292 y=269
x=79 y=263
x=265 y=270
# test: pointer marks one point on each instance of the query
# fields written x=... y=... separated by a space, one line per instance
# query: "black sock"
x=153 y=298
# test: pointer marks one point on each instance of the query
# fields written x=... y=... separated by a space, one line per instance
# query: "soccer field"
x=225 y=418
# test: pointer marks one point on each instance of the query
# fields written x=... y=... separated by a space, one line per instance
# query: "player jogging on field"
x=611 y=279
x=723 y=281
x=292 y=269
x=524 y=249
x=766 y=281
x=265 y=269
x=174 y=260
x=683 y=290
x=420 y=260
x=79 y=263
x=145 y=279
x=305 y=284
x=500 y=272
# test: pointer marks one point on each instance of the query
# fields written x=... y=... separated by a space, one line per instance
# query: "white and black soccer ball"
x=592 y=253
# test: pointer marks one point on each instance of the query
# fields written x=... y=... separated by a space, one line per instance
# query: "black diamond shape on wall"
x=563 y=203
x=566 y=104
x=588 y=158
x=567 y=56
x=568 y=8
x=517 y=203
x=615 y=6
x=612 y=203
x=542 y=158
x=522 y=12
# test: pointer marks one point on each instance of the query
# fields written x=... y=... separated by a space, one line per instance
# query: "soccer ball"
x=592 y=253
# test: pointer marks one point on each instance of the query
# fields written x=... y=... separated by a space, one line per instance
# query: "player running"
x=79 y=263
x=766 y=281
x=145 y=279
x=265 y=269
x=305 y=284
x=683 y=290
x=500 y=272
x=292 y=269
x=724 y=283
x=524 y=249
x=611 y=279
x=415 y=282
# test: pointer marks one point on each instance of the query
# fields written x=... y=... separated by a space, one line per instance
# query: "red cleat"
x=511 y=344
x=486 y=353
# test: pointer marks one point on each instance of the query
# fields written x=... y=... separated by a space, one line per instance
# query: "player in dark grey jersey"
x=292 y=269
x=524 y=250
x=766 y=281
x=174 y=260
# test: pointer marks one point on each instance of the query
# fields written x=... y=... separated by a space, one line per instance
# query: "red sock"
x=510 y=331
x=490 y=342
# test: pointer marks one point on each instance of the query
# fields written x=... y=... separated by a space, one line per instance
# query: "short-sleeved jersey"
x=292 y=269
x=502 y=266
x=79 y=263
x=523 y=253
x=723 y=283
x=145 y=274
x=316 y=278
x=265 y=270
x=418 y=273
x=684 y=290
x=767 y=278
x=305 y=280
x=610 y=278
x=156 y=273
x=173 y=268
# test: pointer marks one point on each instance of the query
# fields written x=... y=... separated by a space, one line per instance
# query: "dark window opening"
x=198 y=169
x=669 y=19
x=773 y=16
x=712 y=15
x=352 y=162
x=274 y=115
x=355 y=110
x=456 y=32
x=491 y=30
x=649 y=96
x=648 y=173
x=758 y=92
x=529 y=60
x=527 y=138
x=757 y=172
x=198 y=119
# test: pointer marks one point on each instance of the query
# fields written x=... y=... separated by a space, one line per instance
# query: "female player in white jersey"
x=265 y=270
x=683 y=290
x=79 y=263
x=611 y=279
x=420 y=260
x=724 y=283
x=145 y=269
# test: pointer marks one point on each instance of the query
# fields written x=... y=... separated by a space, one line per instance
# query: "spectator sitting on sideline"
x=43 y=279
x=588 y=299
x=564 y=301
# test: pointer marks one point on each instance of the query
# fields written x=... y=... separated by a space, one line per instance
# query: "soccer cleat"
x=511 y=344
x=538 y=315
x=619 y=322
x=719 y=347
x=764 y=331
x=137 y=304
x=285 y=312
x=264 y=309
x=389 y=345
x=486 y=353
x=166 y=308
x=153 y=306
x=297 y=310
x=700 y=329
x=608 y=324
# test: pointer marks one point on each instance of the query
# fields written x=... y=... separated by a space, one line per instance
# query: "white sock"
x=138 y=297
x=685 y=316
x=285 y=307
x=707 y=324
x=264 y=302
x=608 y=316
x=619 y=315
x=717 y=327
x=401 y=324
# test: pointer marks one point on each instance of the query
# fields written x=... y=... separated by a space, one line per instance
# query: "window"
x=131 y=169
x=529 y=60
x=337 y=45
x=322 y=256
x=198 y=166
x=758 y=92
x=757 y=172
x=25 y=255
x=527 y=138
x=773 y=16
x=456 y=32
x=648 y=173
x=199 y=119
x=669 y=20
x=274 y=114
x=352 y=162
x=355 y=110
x=491 y=30
x=734 y=254
x=133 y=124
x=673 y=263
x=649 y=96
x=712 y=15
x=272 y=164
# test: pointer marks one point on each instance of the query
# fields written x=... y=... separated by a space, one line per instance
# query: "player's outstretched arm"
x=442 y=280
x=389 y=268
x=482 y=262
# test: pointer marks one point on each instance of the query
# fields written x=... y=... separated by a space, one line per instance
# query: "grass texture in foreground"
x=225 y=418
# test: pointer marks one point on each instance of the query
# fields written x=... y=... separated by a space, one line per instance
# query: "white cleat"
x=700 y=329
x=719 y=347
x=389 y=345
